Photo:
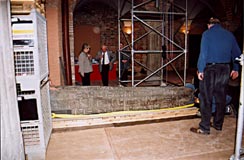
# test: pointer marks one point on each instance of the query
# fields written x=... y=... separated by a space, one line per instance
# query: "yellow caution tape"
x=54 y=115
x=23 y=31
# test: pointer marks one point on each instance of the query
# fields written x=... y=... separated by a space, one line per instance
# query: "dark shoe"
x=217 y=128
x=199 y=131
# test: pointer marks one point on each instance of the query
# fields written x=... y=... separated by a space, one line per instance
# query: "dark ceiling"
x=199 y=11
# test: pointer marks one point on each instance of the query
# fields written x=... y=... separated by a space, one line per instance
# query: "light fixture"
x=183 y=27
x=127 y=30
x=127 y=27
x=184 y=31
x=96 y=30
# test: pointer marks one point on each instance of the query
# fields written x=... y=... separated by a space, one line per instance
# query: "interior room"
x=56 y=104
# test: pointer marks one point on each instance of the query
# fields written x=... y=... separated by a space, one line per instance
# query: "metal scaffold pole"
x=239 y=151
x=132 y=44
x=239 y=132
x=119 y=28
x=186 y=42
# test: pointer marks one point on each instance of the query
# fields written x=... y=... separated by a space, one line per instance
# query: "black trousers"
x=124 y=76
x=234 y=92
x=215 y=83
x=104 y=74
x=86 y=79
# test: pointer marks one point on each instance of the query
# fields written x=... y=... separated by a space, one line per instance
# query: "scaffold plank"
x=109 y=119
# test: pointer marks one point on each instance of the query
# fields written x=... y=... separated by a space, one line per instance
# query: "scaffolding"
x=161 y=20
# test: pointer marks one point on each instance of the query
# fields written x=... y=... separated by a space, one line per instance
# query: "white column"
x=11 y=137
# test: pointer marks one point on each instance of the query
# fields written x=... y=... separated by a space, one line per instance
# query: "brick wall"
x=95 y=99
x=105 y=18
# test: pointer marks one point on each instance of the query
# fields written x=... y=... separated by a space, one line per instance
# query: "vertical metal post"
x=240 y=119
x=132 y=43
x=163 y=43
x=157 y=3
x=186 y=34
x=238 y=149
x=119 y=28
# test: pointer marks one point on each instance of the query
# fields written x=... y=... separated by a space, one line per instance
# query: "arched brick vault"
x=102 y=16
x=229 y=11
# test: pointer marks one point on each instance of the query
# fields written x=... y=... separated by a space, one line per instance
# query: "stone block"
x=96 y=99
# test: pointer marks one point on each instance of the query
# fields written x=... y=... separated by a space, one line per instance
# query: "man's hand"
x=200 y=76
x=234 y=74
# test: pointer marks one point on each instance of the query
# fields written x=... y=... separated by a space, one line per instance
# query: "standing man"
x=125 y=65
x=106 y=59
x=218 y=49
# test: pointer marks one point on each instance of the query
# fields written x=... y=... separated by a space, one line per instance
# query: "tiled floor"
x=170 y=140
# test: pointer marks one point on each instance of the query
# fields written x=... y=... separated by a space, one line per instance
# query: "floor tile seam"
x=200 y=153
x=112 y=148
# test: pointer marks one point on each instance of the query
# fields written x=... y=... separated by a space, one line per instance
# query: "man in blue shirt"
x=218 y=49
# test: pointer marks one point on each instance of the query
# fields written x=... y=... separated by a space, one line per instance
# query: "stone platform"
x=97 y=99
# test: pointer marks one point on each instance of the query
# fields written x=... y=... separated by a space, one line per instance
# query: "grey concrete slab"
x=78 y=145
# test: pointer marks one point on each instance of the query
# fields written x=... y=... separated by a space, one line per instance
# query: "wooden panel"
x=25 y=6
x=72 y=121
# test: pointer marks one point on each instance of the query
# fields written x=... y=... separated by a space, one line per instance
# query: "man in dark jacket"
x=106 y=59
x=124 y=65
x=218 y=49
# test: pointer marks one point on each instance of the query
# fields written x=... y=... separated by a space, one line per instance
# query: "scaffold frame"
x=135 y=17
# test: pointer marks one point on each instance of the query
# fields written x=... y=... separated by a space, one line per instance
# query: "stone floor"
x=163 y=140
x=168 y=140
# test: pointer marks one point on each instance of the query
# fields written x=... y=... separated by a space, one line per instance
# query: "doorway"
x=194 y=50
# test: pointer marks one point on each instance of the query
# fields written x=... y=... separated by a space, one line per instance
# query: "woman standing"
x=85 y=65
